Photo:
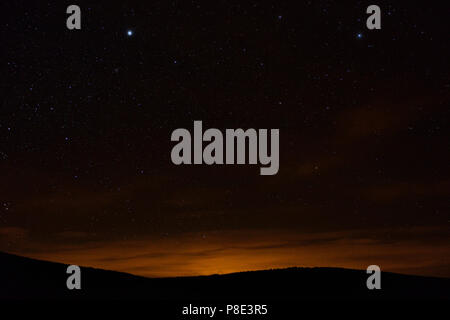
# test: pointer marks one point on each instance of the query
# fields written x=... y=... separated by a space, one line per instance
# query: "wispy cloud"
x=406 y=250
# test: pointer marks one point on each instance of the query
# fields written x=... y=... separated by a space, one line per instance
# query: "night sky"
x=86 y=118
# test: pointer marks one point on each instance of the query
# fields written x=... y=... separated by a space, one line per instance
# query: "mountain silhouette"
x=25 y=278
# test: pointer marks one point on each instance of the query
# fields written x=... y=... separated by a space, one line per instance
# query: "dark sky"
x=86 y=119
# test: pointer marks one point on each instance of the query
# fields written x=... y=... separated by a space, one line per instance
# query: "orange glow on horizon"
x=236 y=251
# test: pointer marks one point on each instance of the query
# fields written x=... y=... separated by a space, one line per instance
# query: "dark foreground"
x=23 y=278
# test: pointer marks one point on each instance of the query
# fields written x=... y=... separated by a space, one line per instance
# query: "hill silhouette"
x=24 y=278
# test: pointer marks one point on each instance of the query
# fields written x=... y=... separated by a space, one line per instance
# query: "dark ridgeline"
x=24 y=278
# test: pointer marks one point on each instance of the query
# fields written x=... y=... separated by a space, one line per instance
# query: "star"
x=359 y=35
x=129 y=33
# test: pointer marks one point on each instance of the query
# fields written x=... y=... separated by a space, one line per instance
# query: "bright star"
x=130 y=33
x=359 y=35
